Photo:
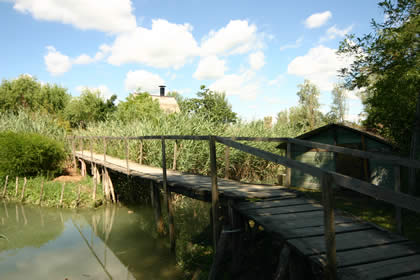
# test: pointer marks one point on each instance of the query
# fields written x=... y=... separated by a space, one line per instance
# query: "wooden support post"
x=104 y=140
x=95 y=182
x=41 y=192
x=5 y=186
x=365 y=160
x=227 y=163
x=283 y=264
x=78 y=196
x=214 y=192
x=168 y=198
x=110 y=185
x=398 y=210
x=288 y=170
x=175 y=154
x=17 y=186
x=23 y=189
x=62 y=194
x=141 y=152
x=329 y=226
x=73 y=148
x=126 y=155
x=155 y=196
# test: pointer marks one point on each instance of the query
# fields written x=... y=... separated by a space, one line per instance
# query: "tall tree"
x=138 y=106
x=308 y=98
x=386 y=66
x=339 y=104
x=210 y=104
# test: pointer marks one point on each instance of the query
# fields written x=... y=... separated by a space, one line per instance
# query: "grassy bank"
x=52 y=191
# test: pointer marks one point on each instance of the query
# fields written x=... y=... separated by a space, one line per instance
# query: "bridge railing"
x=327 y=177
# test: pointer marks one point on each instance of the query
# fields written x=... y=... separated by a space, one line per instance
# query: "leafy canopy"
x=138 y=106
x=386 y=68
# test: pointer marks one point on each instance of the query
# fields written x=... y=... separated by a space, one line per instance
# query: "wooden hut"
x=373 y=171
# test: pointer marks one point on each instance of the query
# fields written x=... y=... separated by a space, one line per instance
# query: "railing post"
x=329 y=225
x=214 y=192
x=175 y=155
x=73 y=148
x=141 y=152
x=168 y=198
x=227 y=163
x=126 y=155
x=104 y=140
x=288 y=169
x=397 y=188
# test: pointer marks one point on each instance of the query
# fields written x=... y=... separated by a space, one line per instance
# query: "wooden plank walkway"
x=364 y=251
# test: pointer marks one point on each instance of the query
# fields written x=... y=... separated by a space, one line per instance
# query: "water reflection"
x=108 y=243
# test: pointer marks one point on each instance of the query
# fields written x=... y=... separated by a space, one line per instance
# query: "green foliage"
x=29 y=154
x=25 y=92
x=308 y=98
x=89 y=107
x=211 y=105
x=138 y=106
x=339 y=105
x=387 y=67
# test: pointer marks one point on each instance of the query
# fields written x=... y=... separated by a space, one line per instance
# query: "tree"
x=90 y=106
x=386 y=66
x=211 y=105
x=308 y=98
x=26 y=93
x=138 y=106
x=339 y=105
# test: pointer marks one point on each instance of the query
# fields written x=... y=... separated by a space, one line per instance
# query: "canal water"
x=105 y=243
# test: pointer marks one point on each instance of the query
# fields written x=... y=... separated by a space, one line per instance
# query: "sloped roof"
x=167 y=103
x=321 y=129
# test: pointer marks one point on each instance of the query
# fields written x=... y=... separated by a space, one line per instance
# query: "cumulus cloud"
x=143 y=80
x=318 y=19
x=56 y=62
x=320 y=65
x=164 y=45
x=112 y=16
x=334 y=32
x=210 y=67
x=295 y=45
x=243 y=85
x=237 y=37
x=277 y=81
x=256 y=60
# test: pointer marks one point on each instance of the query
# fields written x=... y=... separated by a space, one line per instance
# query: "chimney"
x=162 y=90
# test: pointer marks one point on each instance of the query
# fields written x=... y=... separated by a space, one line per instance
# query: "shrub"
x=29 y=154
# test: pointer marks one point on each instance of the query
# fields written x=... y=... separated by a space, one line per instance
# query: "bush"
x=29 y=154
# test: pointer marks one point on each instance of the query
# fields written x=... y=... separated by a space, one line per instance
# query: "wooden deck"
x=364 y=251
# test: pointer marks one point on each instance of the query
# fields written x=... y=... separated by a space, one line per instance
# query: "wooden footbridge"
x=311 y=234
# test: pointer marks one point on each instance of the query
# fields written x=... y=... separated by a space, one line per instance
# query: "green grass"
x=371 y=210
x=52 y=192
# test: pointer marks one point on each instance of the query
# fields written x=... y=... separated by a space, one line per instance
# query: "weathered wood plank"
x=371 y=254
x=383 y=269
x=319 y=230
x=245 y=206
x=409 y=277
x=345 y=241
x=284 y=210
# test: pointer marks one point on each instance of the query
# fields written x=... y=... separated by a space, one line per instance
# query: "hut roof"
x=324 y=128
x=167 y=103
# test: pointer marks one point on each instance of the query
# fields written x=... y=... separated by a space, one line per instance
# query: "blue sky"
x=255 y=51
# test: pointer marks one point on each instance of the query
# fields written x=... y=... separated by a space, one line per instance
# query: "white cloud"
x=210 y=67
x=243 y=85
x=83 y=59
x=295 y=45
x=318 y=19
x=143 y=80
x=106 y=93
x=165 y=45
x=56 y=62
x=108 y=16
x=237 y=37
x=319 y=65
x=257 y=60
x=277 y=81
x=334 y=32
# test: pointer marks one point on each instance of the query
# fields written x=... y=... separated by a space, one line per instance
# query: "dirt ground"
x=70 y=175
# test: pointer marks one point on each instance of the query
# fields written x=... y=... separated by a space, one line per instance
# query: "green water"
x=106 y=243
